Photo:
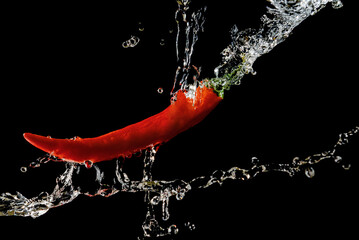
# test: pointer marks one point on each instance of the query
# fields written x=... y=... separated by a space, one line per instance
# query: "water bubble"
x=309 y=172
x=173 y=229
x=255 y=160
x=180 y=195
x=23 y=169
x=160 y=90
x=155 y=200
x=88 y=164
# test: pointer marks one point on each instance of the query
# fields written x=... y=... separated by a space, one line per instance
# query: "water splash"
x=159 y=192
x=247 y=45
x=192 y=27
x=237 y=60
x=63 y=193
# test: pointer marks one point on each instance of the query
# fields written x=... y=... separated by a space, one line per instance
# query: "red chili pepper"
x=176 y=118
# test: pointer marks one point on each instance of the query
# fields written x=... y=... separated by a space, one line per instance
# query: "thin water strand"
x=192 y=27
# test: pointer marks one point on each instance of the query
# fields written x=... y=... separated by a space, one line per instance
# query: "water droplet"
x=34 y=164
x=190 y=226
x=180 y=195
x=23 y=169
x=155 y=200
x=255 y=160
x=132 y=42
x=337 y=4
x=296 y=161
x=162 y=42
x=141 y=28
x=160 y=90
x=338 y=159
x=75 y=138
x=173 y=229
x=291 y=2
x=88 y=164
x=346 y=166
x=43 y=196
x=216 y=71
x=217 y=174
x=309 y=172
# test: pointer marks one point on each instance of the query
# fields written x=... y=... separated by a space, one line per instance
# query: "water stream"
x=237 y=61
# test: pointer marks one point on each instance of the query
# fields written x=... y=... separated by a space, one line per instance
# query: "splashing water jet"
x=237 y=61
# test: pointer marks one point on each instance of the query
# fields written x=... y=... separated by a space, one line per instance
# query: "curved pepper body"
x=176 y=118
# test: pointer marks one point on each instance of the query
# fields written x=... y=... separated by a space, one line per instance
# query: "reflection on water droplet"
x=132 y=42
x=43 y=196
x=337 y=4
x=141 y=28
x=346 y=166
x=23 y=169
x=88 y=164
x=216 y=71
x=162 y=42
x=255 y=160
x=296 y=161
x=309 y=172
x=190 y=226
x=173 y=229
x=155 y=200
x=180 y=195
x=34 y=164
x=160 y=90
x=338 y=159
x=291 y=2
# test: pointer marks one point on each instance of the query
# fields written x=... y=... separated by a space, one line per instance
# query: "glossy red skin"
x=176 y=118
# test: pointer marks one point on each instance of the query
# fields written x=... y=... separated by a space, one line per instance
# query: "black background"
x=65 y=73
